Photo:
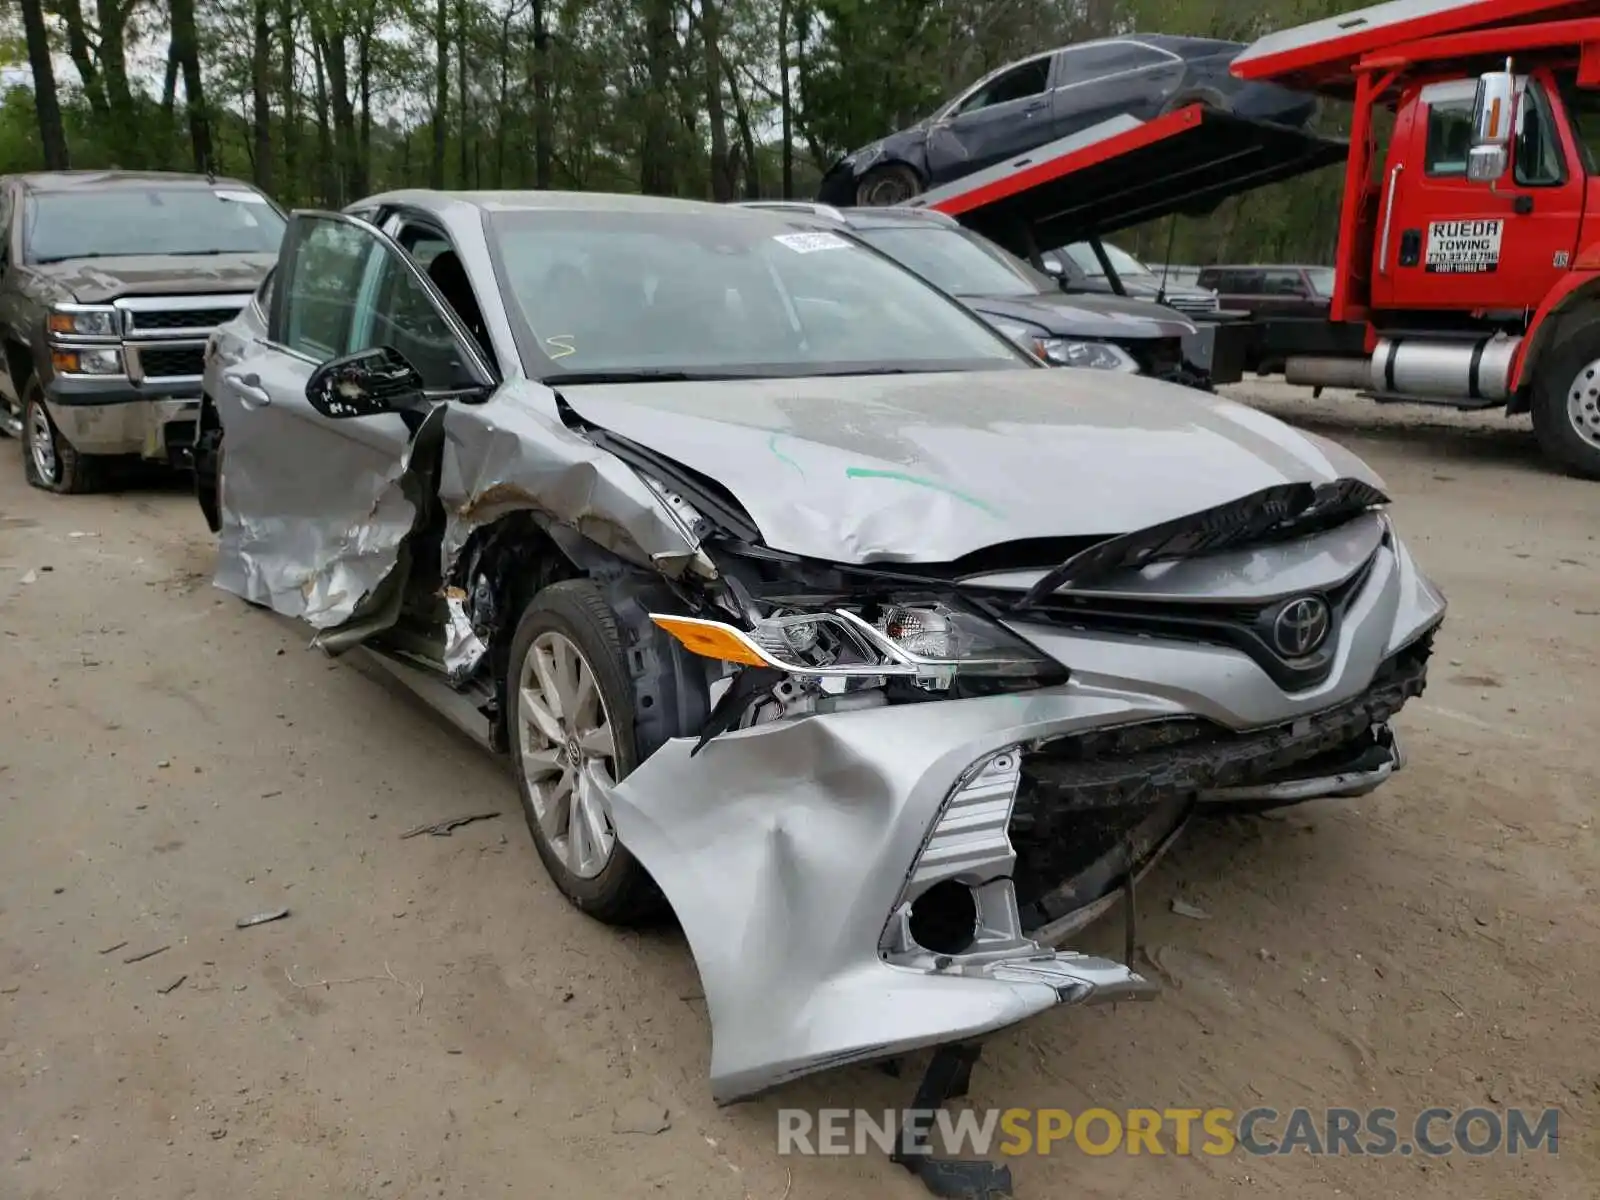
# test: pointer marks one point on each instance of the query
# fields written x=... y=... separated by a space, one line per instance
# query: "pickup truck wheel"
x=570 y=714
x=1566 y=402
x=889 y=184
x=48 y=460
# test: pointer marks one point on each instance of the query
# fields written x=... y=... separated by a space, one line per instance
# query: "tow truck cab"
x=1469 y=247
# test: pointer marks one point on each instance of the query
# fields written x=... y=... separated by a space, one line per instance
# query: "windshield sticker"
x=805 y=243
x=239 y=197
x=1463 y=247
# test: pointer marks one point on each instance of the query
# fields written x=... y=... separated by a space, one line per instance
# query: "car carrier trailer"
x=1468 y=265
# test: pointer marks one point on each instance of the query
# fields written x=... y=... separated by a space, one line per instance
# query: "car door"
x=11 y=307
x=1004 y=115
x=1446 y=242
x=316 y=508
x=1101 y=80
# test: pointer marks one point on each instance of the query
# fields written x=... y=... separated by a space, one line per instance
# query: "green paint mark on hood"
x=918 y=481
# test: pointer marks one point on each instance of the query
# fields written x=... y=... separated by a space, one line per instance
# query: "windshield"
x=150 y=220
x=614 y=292
x=1121 y=261
x=1321 y=280
x=957 y=261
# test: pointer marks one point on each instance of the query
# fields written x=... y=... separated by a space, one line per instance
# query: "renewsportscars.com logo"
x=984 y=1133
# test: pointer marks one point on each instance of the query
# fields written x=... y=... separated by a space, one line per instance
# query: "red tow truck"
x=1468 y=267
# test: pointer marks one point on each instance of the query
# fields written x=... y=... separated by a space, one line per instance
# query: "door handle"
x=1036 y=106
x=251 y=393
x=1388 y=220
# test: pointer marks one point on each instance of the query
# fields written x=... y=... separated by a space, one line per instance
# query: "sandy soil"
x=431 y=1020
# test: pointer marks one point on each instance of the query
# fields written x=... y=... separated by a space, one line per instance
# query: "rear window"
x=158 y=220
x=1321 y=280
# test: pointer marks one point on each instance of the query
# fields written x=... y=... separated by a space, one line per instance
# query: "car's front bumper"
x=119 y=417
x=790 y=851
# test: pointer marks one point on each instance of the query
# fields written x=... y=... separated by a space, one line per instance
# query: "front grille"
x=189 y=318
x=1193 y=304
x=1080 y=794
x=1244 y=626
x=160 y=362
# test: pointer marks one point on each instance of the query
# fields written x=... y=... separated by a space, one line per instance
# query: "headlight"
x=929 y=641
x=86 y=322
x=1094 y=356
x=87 y=361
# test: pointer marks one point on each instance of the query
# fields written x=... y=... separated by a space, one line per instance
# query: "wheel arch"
x=505 y=563
x=1574 y=300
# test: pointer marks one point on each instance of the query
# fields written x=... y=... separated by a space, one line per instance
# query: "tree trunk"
x=785 y=101
x=261 y=94
x=502 y=102
x=186 y=48
x=113 y=66
x=461 y=84
x=361 y=172
x=52 y=134
x=327 y=166
x=747 y=137
x=287 y=89
x=331 y=49
x=711 y=47
x=441 y=91
x=82 y=55
x=655 y=151
x=543 y=122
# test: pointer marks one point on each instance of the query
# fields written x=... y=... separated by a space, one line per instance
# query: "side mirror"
x=1053 y=265
x=1493 y=122
x=365 y=384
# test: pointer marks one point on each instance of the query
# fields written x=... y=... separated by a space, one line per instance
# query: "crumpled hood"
x=99 y=280
x=1113 y=318
x=928 y=468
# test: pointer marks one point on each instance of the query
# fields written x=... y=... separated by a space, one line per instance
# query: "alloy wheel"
x=42 y=444
x=568 y=752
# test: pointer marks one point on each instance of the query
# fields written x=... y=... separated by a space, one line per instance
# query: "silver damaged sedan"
x=808 y=606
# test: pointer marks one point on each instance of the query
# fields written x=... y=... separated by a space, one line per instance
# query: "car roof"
x=543 y=201
x=88 y=181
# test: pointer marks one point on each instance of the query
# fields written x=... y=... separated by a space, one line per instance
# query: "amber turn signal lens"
x=709 y=639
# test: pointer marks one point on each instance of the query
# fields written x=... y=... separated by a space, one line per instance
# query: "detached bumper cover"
x=788 y=850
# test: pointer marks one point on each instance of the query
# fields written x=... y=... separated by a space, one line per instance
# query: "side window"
x=5 y=226
x=1538 y=159
x=1449 y=137
x=401 y=314
x=1030 y=79
x=325 y=266
x=1094 y=62
x=345 y=291
x=1283 y=283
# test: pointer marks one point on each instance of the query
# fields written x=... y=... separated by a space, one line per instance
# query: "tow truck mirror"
x=1493 y=120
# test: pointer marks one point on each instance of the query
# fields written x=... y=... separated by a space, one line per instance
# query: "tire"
x=48 y=460
x=887 y=185
x=573 y=617
x=1566 y=401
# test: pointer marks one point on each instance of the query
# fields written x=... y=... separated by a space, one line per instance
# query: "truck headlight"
x=1094 y=356
x=927 y=640
x=86 y=322
x=87 y=361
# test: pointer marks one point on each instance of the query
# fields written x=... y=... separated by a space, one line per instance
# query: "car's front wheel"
x=892 y=183
x=48 y=460
x=570 y=714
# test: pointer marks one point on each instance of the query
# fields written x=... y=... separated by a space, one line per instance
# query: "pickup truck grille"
x=164 y=320
x=160 y=362
x=1193 y=304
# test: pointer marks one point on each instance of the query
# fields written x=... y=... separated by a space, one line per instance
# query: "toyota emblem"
x=1301 y=626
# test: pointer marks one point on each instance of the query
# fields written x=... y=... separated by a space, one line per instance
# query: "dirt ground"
x=431 y=1019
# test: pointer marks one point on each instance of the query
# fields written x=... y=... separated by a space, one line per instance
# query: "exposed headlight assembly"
x=930 y=642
